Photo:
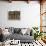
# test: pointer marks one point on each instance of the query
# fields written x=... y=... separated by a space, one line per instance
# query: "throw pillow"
x=17 y=30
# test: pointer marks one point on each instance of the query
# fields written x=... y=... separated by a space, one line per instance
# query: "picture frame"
x=14 y=15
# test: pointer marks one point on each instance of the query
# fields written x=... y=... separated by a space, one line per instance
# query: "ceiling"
x=20 y=0
x=24 y=0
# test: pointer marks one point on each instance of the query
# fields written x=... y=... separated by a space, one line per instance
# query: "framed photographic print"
x=14 y=15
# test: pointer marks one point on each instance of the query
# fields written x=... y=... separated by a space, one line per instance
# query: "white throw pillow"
x=23 y=31
x=28 y=31
x=5 y=32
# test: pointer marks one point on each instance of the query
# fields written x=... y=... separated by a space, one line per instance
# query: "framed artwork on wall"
x=14 y=15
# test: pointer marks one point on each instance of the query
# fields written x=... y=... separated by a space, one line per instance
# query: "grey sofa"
x=17 y=35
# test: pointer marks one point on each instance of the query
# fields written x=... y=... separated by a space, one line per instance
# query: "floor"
x=35 y=43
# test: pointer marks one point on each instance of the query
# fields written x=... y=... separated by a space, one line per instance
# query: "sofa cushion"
x=17 y=30
x=11 y=30
x=20 y=37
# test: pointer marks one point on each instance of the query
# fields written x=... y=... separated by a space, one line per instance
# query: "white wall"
x=30 y=14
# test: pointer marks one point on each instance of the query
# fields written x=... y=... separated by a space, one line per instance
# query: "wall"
x=30 y=14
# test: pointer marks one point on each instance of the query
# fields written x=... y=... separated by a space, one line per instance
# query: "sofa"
x=17 y=34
